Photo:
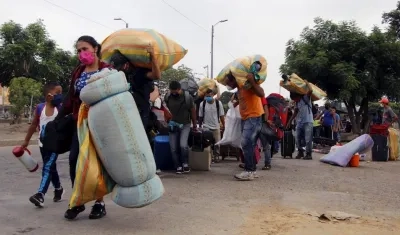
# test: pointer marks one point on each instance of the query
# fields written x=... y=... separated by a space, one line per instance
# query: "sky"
x=253 y=26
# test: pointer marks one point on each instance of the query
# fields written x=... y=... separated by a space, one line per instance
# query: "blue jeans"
x=267 y=149
x=304 y=134
x=49 y=172
x=251 y=128
x=179 y=145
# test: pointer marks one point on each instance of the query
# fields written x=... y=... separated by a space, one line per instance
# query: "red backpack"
x=278 y=112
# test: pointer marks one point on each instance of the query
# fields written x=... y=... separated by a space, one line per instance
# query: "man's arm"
x=296 y=111
x=201 y=118
x=393 y=115
x=155 y=72
x=221 y=114
x=257 y=89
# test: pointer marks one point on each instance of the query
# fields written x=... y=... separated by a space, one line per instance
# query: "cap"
x=384 y=100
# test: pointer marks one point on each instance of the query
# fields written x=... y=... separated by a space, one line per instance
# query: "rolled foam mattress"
x=341 y=156
x=119 y=137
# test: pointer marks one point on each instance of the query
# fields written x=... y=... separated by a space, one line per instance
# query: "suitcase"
x=200 y=140
x=288 y=144
x=380 y=150
x=162 y=153
x=200 y=161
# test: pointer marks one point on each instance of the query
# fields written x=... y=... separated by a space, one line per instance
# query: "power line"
x=180 y=13
x=74 y=13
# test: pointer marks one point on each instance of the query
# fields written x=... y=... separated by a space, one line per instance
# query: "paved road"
x=204 y=202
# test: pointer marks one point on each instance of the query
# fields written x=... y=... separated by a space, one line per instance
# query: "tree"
x=173 y=74
x=29 y=52
x=392 y=19
x=21 y=91
x=348 y=64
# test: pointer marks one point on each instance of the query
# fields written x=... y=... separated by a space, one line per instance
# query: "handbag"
x=269 y=132
x=57 y=134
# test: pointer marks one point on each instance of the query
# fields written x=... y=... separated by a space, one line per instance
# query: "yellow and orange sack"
x=133 y=44
x=297 y=85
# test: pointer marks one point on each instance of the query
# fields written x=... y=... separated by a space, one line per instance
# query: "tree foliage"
x=173 y=74
x=29 y=52
x=21 y=91
x=350 y=65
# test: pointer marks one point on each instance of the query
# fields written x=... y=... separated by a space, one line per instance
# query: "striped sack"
x=133 y=44
x=205 y=84
x=297 y=85
x=241 y=67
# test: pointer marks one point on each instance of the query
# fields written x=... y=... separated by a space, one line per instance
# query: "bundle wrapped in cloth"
x=116 y=133
x=205 y=84
x=240 y=67
x=294 y=83
x=133 y=43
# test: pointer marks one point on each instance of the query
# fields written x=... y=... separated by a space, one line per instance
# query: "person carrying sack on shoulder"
x=304 y=122
x=211 y=114
x=388 y=117
x=181 y=105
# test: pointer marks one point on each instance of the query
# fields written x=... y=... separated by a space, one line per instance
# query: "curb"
x=16 y=142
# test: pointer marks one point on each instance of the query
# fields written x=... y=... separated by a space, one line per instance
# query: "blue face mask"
x=208 y=99
x=57 y=100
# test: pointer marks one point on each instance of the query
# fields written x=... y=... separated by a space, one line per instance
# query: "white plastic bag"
x=233 y=127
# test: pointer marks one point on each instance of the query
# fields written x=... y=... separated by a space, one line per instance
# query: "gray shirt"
x=211 y=118
x=304 y=114
x=388 y=115
x=180 y=107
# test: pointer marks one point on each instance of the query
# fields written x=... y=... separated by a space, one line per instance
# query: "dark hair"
x=92 y=42
x=333 y=107
x=174 y=85
x=48 y=87
x=209 y=91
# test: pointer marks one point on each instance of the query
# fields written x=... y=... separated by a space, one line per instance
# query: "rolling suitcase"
x=288 y=144
x=200 y=161
x=162 y=153
x=380 y=150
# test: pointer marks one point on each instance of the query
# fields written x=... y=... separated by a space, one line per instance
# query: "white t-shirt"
x=211 y=119
x=43 y=120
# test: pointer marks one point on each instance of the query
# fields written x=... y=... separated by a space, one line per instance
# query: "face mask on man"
x=381 y=105
x=228 y=88
x=208 y=99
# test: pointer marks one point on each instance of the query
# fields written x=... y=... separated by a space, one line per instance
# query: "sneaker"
x=186 y=168
x=58 y=193
x=98 y=211
x=266 y=167
x=37 y=199
x=179 y=170
x=245 y=176
x=307 y=157
x=300 y=155
x=73 y=212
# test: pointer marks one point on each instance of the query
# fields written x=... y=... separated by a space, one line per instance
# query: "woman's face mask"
x=86 y=57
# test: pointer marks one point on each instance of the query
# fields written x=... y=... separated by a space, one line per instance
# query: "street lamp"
x=206 y=67
x=212 y=46
x=126 y=24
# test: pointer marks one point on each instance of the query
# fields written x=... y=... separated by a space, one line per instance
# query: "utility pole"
x=212 y=46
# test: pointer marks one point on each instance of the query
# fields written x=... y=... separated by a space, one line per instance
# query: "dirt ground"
x=13 y=134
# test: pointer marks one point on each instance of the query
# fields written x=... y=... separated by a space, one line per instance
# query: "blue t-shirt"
x=328 y=118
x=304 y=114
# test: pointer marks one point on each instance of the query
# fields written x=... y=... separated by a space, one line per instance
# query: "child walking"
x=44 y=113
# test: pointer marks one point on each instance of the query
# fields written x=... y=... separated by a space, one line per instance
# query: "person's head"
x=120 y=62
x=175 y=88
x=209 y=96
x=295 y=97
x=231 y=82
x=327 y=106
x=333 y=110
x=52 y=93
x=384 y=102
x=88 y=50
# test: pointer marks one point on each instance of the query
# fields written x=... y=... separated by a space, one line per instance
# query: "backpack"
x=216 y=104
x=277 y=109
